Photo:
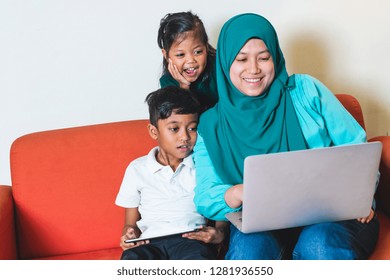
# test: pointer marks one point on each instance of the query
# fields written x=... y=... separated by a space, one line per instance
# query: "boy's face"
x=176 y=137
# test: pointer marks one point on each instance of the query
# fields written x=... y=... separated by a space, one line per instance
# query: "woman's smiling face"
x=253 y=70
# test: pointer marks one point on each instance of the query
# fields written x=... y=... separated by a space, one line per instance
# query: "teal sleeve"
x=167 y=80
x=210 y=190
x=324 y=120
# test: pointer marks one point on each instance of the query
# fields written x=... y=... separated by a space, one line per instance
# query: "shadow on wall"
x=308 y=54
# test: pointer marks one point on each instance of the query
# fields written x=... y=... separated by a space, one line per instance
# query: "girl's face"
x=189 y=55
x=253 y=70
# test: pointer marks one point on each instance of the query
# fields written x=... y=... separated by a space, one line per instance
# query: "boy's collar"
x=155 y=166
x=189 y=161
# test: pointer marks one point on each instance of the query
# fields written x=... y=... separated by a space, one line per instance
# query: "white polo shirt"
x=164 y=198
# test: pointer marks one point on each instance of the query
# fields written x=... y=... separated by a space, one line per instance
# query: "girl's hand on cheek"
x=183 y=83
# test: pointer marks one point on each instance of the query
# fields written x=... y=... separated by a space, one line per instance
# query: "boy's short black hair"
x=172 y=99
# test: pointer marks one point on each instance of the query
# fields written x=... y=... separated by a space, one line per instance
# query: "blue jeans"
x=345 y=240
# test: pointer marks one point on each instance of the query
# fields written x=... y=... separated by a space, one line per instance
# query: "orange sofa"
x=64 y=184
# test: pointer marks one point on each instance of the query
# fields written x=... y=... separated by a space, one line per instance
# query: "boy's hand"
x=183 y=83
x=207 y=235
x=366 y=220
x=130 y=233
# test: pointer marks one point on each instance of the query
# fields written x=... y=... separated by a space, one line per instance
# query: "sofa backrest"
x=65 y=182
x=353 y=107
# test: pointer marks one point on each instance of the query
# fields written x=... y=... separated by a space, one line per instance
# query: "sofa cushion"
x=382 y=251
x=7 y=226
x=106 y=254
x=65 y=183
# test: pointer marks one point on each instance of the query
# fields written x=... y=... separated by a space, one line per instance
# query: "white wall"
x=67 y=63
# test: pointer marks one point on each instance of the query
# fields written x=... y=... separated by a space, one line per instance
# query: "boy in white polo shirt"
x=158 y=189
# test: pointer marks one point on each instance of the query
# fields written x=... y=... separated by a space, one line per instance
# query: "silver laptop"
x=299 y=188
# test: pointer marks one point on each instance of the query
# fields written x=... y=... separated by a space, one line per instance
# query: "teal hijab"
x=238 y=125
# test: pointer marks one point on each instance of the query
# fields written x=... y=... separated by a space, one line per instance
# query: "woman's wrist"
x=233 y=196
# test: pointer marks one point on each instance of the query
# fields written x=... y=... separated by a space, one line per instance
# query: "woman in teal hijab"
x=261 y=110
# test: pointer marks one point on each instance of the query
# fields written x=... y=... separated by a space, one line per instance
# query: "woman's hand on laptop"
x=368 y=218
x=233 y=196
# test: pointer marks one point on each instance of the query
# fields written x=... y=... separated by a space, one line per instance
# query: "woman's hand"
x=183 y=83
x=366 y=220
x=233 y=196
x=130 y=233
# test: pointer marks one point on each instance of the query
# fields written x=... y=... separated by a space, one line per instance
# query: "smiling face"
x=176 y=137
x=189 y=55
x=253 y=70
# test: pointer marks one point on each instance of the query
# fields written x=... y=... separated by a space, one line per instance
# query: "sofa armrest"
x=383 y=192
x=8 y=249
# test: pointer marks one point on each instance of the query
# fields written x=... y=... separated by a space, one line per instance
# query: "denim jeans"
x=345 y=240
